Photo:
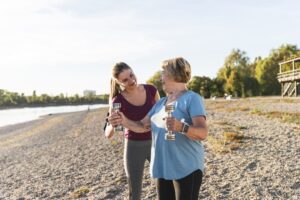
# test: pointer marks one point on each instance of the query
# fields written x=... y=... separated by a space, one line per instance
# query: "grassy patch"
x=121 y=180
x=244 y=109
x=256 y=111
x=291 y=118
x=290 y=100
x=217 y=105
x=217 y=145
x=80 y=192
x=233 y=137
x=228 y=142
x=283 y=116
x=222 y=123
x=238 y=108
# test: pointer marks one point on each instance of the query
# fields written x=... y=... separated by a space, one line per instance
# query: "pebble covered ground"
x=66 y=156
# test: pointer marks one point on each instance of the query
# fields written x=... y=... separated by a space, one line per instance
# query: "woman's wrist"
x=184 y=128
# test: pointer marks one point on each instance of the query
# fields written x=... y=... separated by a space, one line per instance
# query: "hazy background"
x=67 y=46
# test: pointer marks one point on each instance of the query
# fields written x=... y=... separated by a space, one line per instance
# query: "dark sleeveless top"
x=137 y=113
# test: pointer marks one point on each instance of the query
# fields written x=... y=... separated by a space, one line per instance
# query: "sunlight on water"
x=14 y=116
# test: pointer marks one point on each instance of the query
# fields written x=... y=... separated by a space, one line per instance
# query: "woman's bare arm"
x=197 y=131
x=137 y=126
x=109 y=130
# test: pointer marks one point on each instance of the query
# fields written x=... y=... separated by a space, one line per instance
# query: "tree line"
x=240 y=77
x=13 y=99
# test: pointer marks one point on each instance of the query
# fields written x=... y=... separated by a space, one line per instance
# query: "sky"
x=67 y=46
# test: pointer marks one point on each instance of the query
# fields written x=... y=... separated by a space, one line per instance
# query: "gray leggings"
x=135 y=155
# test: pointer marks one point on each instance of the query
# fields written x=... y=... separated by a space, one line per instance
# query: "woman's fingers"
x=115 y=119
x=170 y=123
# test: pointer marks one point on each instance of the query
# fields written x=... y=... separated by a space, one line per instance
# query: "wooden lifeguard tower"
x=289 y=77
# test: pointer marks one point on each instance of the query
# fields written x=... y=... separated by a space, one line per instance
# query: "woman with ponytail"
x=136 y=101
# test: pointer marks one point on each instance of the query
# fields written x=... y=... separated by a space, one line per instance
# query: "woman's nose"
x=131 y=80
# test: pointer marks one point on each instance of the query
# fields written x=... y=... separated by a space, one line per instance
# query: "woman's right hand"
x=115 y=119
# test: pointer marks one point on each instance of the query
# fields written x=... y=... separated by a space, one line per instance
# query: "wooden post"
x=296 y=88
x=293 y=65
x=282 y=89
x=280 y=68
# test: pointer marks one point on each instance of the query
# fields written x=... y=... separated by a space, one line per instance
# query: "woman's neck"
x=176 y=92
x=177 y=89
x=132 y=90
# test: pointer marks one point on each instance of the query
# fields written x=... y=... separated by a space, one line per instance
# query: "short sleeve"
x=196 y=106
x=151 y=89
x=116 y=99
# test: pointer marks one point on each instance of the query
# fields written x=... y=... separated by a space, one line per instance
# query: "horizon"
x=67 y=47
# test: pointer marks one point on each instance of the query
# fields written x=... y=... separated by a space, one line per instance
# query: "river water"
x=18 y=115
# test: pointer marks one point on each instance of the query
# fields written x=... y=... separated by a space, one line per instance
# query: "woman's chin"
x=133 y=85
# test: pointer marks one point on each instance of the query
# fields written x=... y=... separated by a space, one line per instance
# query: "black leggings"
x=186 y=188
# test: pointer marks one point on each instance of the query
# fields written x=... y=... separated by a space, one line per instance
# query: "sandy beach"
x=251 y=153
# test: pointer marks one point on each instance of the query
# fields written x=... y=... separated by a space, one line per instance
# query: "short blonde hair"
x=178 y=68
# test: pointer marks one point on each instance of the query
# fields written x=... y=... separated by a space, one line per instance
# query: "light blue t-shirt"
x=176 y=159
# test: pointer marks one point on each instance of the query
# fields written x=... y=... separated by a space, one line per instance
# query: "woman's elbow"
x=108 y=134
x=203 y=134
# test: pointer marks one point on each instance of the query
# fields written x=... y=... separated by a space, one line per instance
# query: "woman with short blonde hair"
x=178 y=68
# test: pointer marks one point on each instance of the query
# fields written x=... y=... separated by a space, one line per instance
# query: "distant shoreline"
x=48 y=105
x=26 y=114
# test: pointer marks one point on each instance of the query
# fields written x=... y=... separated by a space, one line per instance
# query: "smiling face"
x=127 y=79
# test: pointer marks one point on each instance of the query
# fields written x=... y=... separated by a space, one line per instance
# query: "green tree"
x=217 y=87
x=34 y=97
x=22 y=100
x=2 y=94
x=45 y=99
x=195 y=84
x=156 y=81
x=268 y=68
x=201 y=85
x=251 y=86
x=236 y=74
x=13 y=99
